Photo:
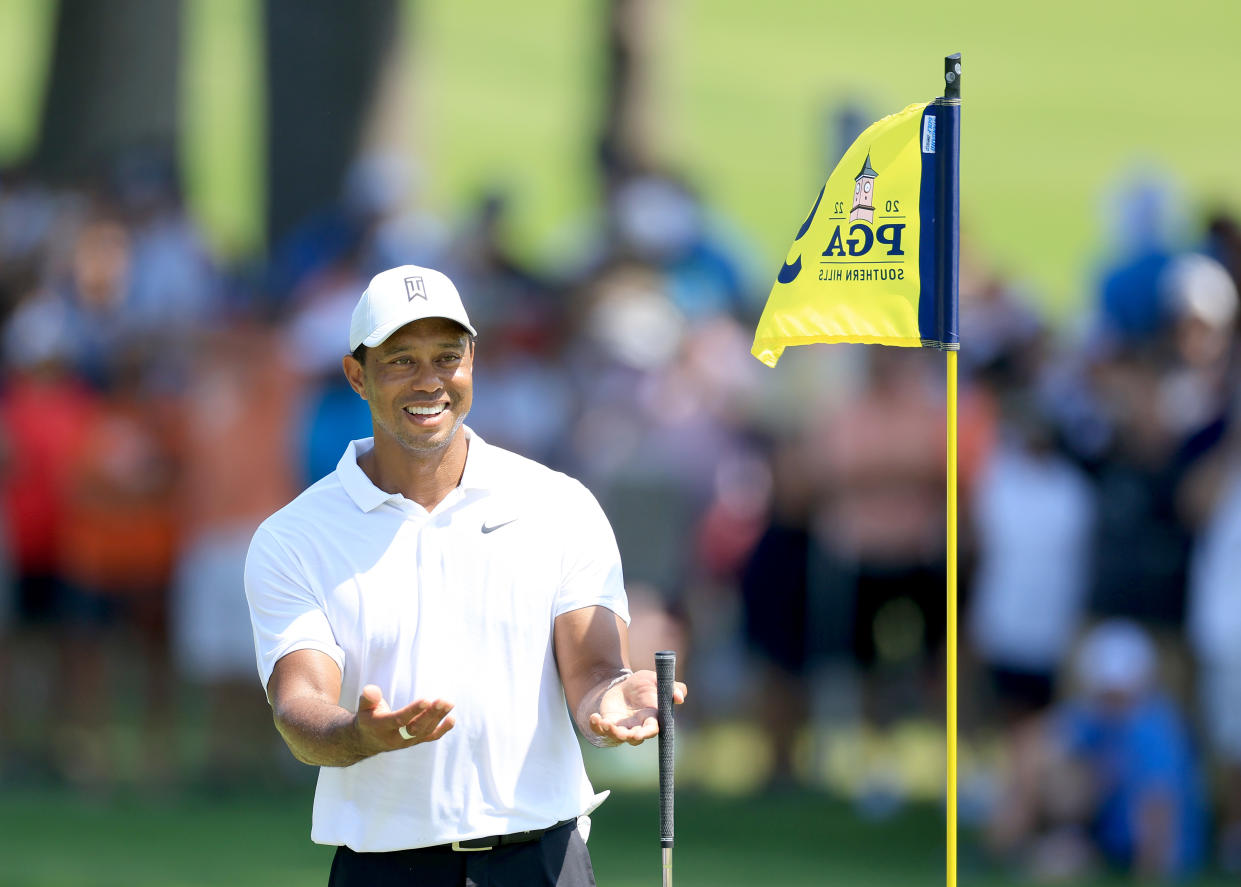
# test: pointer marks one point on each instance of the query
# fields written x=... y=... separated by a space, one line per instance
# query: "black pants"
x=558 y=859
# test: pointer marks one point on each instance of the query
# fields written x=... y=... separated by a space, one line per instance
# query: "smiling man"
x=431 y=618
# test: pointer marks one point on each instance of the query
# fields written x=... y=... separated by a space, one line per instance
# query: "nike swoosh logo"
x=494 y=527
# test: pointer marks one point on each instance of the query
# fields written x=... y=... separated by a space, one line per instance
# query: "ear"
x=354 y=372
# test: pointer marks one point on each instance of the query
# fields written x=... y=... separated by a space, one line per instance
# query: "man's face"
x=418 y=383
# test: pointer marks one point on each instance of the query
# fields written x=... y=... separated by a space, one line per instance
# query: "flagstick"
x=948 y=146
x=951 y=638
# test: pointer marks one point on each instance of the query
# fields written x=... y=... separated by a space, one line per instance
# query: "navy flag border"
x=939 y=206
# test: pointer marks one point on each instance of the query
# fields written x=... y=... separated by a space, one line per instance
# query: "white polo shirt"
x=457 y=603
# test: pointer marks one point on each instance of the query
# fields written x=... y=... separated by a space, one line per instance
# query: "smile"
x=428 y=410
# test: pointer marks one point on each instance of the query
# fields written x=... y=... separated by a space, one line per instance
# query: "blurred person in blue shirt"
x=1143 y=212
x=1144 y=797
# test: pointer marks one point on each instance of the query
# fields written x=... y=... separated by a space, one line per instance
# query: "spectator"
x=1214 y=627
x=1118 y=778
x=88 y=307
x=1140 y=547
x=783 y=629
x=119 y=536
x=236 y=419
x=1132 y=306
x=877 y=477
x=1032 y=522
x=45 y=412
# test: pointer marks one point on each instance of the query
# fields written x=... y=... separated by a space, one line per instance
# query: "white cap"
x=402 y=295
x=1198 y=286
x=1116 y=656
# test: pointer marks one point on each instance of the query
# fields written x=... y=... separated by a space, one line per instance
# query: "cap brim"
x=380 y=334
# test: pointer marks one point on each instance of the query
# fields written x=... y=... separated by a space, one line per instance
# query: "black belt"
x=500 y=840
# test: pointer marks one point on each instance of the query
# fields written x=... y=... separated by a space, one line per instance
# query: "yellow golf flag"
x=877 y=262
x=864 y=265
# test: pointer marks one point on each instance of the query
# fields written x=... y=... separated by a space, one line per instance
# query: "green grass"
x=53 y=839
x=56 y=839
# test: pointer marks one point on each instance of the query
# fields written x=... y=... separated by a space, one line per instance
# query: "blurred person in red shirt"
x=44 y=413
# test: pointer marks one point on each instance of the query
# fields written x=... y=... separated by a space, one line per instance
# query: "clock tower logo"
x=864 y=194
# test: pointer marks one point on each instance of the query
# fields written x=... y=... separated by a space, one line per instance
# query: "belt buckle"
x=456 y=846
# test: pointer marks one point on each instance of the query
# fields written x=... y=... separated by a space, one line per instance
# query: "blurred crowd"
x=785 y=529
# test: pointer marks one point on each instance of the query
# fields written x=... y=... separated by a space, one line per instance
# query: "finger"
x=607 y=729
x=430 y=713
x=407 y=712
x=598 y=725
x=649 y=728
x=679 y=692
x=426 y=729
x=634 y=735
x=371 y=700
x=444 y=726
x=639 y=735
x=411 y=710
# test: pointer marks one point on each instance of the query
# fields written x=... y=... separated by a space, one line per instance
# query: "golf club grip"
x=665 y=674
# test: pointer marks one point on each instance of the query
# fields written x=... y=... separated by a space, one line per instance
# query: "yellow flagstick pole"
x=951 y=634
x=947 y=254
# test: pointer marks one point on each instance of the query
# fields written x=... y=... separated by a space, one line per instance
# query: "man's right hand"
x=380 y=728
x=304 y=689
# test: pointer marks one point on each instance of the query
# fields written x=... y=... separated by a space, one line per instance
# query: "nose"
x=425 y=378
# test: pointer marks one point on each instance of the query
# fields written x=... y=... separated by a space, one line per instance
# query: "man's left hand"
x=628 y=710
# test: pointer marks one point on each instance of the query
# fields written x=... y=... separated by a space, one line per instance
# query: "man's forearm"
x=320 y=733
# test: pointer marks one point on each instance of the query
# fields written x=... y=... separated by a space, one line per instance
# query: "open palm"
x=628 y=711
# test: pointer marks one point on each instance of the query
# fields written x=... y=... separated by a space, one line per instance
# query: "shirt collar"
x=478 y=474
x=480 y=467
x=364 y=494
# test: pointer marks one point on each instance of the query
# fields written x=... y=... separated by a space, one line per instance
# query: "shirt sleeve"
x=592 y=574
x=285 y=612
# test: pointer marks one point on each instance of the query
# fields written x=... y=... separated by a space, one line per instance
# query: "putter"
x=665 y=674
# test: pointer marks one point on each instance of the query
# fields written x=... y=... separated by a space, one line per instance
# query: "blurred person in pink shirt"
x=877 y=467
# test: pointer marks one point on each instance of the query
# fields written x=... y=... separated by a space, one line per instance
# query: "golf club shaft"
x=665 y=675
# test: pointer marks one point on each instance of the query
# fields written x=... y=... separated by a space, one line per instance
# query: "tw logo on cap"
x=415 y=289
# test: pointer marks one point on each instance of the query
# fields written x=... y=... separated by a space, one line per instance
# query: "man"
x=1147 y=813
x=1114 y=776
x=433 y=573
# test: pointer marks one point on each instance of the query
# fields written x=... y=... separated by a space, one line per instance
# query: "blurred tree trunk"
x=625 y=130
x=324 y=58
x=113 y=84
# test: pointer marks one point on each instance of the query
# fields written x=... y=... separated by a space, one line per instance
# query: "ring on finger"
x=405 y=734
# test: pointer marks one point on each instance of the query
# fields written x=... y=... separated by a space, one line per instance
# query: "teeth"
x=433 y=410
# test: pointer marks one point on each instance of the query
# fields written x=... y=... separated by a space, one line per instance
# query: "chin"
x=432 y=443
